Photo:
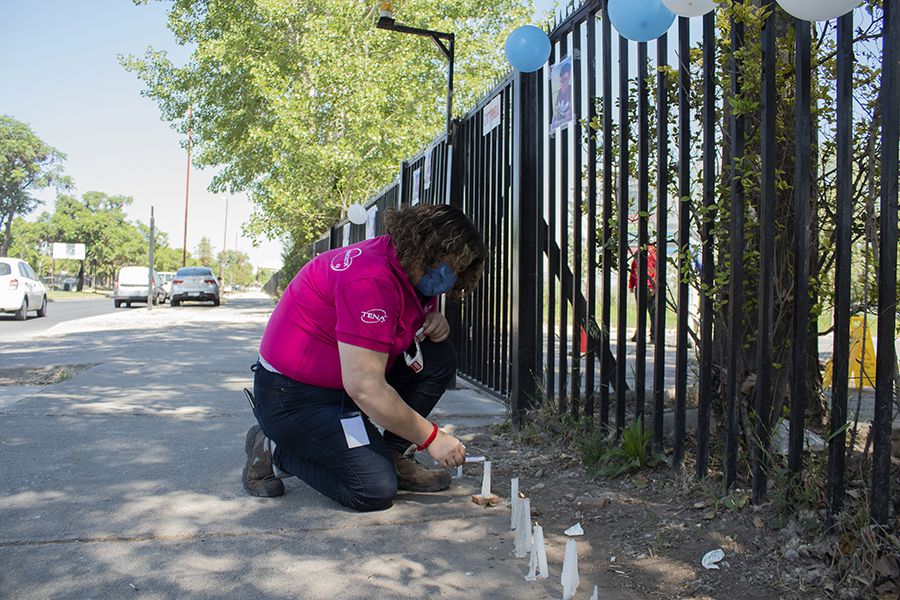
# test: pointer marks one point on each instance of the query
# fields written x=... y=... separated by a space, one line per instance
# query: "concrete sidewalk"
x=124 y=482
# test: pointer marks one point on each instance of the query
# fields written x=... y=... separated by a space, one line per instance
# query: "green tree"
x=31 y=242
x=306 y=106
x=98 y=221
x=27 y=163
x=205 y=251
x=236 y=268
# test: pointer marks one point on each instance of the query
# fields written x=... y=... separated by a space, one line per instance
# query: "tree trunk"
x=6 y=242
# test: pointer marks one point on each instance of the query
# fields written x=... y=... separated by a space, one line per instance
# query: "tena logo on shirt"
x=373 y=316
x=342 y=261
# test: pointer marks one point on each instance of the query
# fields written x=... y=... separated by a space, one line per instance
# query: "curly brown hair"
x=426 y=233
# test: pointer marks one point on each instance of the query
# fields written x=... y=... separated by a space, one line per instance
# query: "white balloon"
x=818 y=10
x=690 y=8
x=357 y=214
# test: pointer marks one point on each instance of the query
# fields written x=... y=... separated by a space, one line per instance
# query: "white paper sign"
x=427 y=176
x=346 y=234
x=491 y=115
x=416 y=176
x=370 y=221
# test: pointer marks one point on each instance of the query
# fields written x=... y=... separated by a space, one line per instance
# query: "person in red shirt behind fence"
x=651 y=288
x=357 y=338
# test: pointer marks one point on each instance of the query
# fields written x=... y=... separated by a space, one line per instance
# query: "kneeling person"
x=357 y=338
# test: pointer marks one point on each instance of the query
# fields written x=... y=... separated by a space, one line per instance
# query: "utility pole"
x=187 y=188
x=151 y=292
x=224 y=245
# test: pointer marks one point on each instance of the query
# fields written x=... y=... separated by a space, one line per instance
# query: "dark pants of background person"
x=304 y=421
x=651 y=309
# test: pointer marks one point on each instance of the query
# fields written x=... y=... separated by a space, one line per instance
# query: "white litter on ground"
x=712 y=557
x=596 y=594
x=575 y=529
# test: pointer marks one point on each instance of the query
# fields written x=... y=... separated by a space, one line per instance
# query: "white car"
x=133 y=285
x=20 y=289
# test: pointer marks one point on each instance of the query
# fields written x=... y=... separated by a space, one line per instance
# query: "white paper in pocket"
x=355 y=431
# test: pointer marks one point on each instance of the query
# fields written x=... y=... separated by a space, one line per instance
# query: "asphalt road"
x=57 y=312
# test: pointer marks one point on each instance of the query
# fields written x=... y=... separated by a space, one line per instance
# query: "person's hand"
x=436 y=327
x=447 y=450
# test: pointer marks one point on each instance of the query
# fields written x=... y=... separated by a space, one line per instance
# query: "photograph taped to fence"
x=561 y=93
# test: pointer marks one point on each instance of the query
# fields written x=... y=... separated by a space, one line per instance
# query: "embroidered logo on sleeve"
x=343 y=260
x=373 y=316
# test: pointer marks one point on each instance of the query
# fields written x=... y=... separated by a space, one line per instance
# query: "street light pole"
x=187 y=188
x=224 y=245
x=445 y=43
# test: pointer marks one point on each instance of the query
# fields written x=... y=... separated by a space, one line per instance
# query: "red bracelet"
x=430 y=438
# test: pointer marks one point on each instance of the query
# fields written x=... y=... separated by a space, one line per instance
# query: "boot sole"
x=271 y=489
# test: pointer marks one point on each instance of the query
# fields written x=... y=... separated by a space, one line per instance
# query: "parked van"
x=133 y=285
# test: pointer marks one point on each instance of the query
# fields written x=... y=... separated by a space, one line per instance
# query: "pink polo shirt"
x=358 y=295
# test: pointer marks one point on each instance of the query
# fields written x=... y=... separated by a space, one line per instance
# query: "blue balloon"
x=527 y=48
x=640 y=20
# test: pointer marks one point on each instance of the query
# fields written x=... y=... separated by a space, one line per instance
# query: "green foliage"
x=26 y=163
x=205 y=252
x=632 y=455
x=306 y=106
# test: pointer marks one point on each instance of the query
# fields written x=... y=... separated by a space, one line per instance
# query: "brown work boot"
x=413 y=476
x=258 y=475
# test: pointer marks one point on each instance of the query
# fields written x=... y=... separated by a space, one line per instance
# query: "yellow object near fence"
x=862 y=357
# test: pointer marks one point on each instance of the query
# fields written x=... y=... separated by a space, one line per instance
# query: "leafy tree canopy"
x=27 y=163
x=307 y=106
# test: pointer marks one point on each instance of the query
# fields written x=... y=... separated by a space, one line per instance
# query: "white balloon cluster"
x=808 y=10
x=690 y=8
x=818 y=10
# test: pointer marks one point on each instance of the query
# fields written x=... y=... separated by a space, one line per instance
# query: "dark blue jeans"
x=304 y=421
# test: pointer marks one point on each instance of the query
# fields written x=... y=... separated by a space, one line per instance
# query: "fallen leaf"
x=758 y=523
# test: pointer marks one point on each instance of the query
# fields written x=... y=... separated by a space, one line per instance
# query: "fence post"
x=524 y=317
x=886 y=361
x=455 y=178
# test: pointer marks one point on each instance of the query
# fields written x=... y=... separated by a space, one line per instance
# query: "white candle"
x=486 y=482
x=514 y=502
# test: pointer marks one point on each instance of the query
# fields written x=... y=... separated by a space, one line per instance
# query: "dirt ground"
x=40 y=375
x=648 y=532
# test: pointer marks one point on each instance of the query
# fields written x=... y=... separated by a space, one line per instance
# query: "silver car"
x=195 y=284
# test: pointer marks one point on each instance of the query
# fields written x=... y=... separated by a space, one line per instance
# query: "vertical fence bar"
x=591 y=41
x=622 y=216
x=563 y=135
x=800 y=348
x=553 y=266
x=606 y=230
x=495 y=220
x=684 y=224
x=707 y=267
x=478 y=217
x=736 y=293
x=662 y=242
x=468 y=308
x=640 y=359
x=507 y=244
x=887 y=270
x=525 y=314
x=766 y=259
x=578 y=264
x=840 y=357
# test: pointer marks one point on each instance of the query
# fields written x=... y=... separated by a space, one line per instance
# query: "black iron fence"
x=562 y=195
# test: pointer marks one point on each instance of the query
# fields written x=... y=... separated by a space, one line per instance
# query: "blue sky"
x=60 y=75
